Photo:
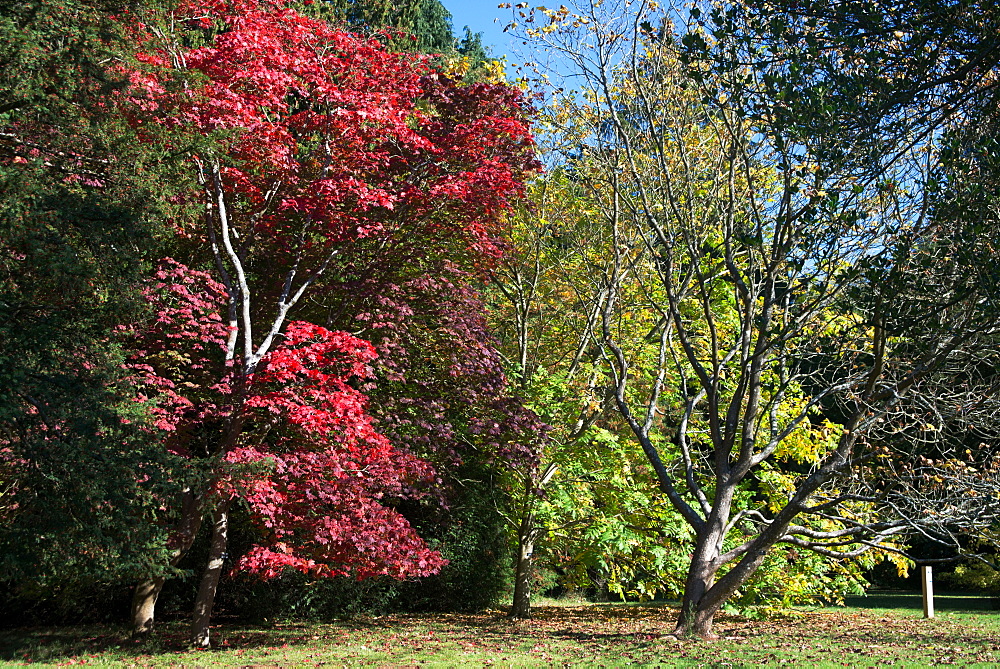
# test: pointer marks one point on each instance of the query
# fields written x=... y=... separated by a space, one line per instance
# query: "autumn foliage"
x=330 y=135
x=308 y=463
x=310 y=146
x=322 y=510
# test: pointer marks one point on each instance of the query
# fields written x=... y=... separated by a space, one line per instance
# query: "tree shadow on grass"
x=598 y=630
x=50 y=644
x=947 y=601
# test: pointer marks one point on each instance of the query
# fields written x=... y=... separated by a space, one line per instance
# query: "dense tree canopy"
x=281 y=267
x=323 y=139
x=426 y=25
x=309 y=152
x=798 y=288
x=81 y=482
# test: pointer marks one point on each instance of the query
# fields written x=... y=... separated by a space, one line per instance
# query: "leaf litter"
x=610 y=635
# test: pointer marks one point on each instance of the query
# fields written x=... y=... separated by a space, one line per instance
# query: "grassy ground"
x=608 y=635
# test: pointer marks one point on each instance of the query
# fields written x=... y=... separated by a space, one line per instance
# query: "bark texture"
x=143 y=614
x=144 y=604
x=521 y=607
x=210 y=578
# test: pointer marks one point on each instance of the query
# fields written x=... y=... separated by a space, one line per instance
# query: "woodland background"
x=313 y=309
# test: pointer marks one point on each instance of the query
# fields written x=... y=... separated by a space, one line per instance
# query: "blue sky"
x=479 y=15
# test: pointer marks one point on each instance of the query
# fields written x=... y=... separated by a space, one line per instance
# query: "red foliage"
x=443 y=389
x=308 y=138
x=322 y=508
x=327 y=127
x=177 y=357
x=308 y=462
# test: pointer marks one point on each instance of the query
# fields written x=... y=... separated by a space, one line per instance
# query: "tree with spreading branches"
x=806 y=299
x=305 y=139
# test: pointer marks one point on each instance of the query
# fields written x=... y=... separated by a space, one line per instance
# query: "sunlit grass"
x=576 y=634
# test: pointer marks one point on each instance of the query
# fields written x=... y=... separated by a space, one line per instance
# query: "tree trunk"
x=599 y=581
x=694 y=618
x=704 y=596
x=522 y=579
x=697 y=610
x=144 y=604
x=182 y=538
x=210 y=578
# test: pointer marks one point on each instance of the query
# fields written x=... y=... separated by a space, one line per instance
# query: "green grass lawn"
x=609 y=635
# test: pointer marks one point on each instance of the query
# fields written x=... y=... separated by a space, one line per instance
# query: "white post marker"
x=928 y=590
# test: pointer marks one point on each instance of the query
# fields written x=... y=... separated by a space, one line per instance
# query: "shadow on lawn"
x=488 y=629
x=614 y=629
x=947 y=601
x=48 y=644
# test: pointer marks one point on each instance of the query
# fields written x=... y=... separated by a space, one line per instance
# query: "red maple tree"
x=324 y=470
x=305 y=139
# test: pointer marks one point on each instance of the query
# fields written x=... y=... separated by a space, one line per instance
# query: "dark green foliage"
x=81 y=482
x=79 y=479
x=859 y=79
x=469 y=533
x=430 y=23
x=472 y=535
x=426 y=23
x=50 y=52
x=471 y=47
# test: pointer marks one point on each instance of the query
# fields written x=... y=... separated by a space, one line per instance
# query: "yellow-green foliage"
x=975 y=575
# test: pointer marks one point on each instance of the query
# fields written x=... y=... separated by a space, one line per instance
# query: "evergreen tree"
x=78 y=480
x=471 y=47
x=426 y=24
